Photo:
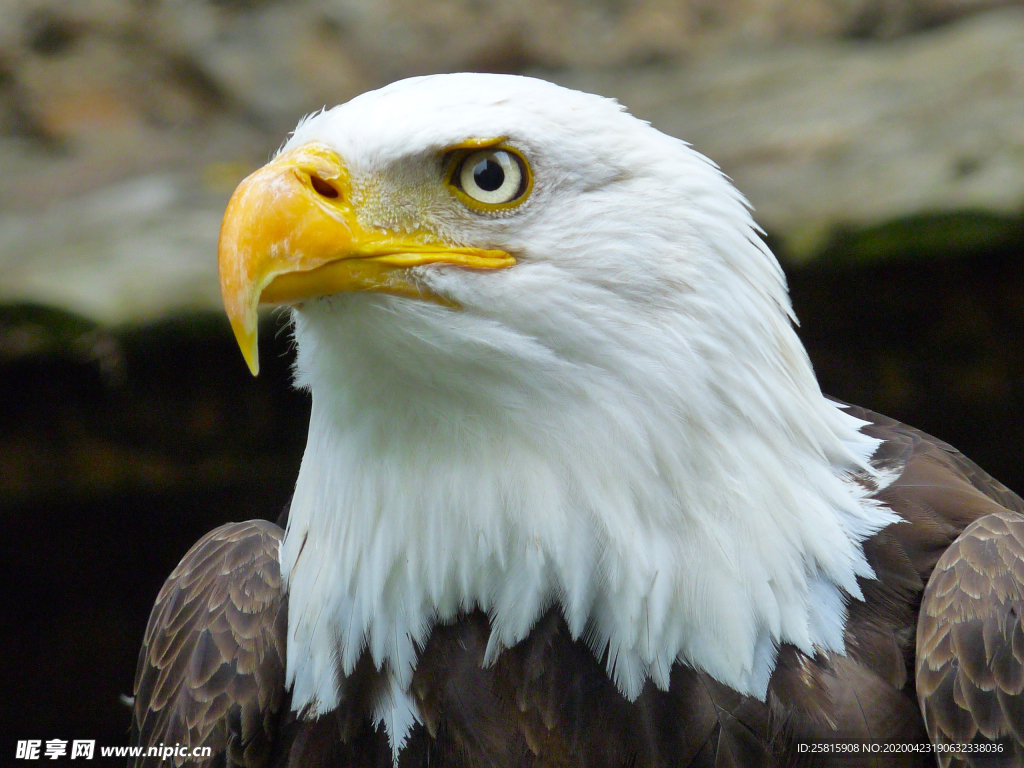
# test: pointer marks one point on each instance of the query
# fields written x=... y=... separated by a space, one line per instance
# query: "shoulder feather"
x=211 y=668
x=970 y=641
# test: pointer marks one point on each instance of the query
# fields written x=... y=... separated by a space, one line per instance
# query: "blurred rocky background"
x=880 y=141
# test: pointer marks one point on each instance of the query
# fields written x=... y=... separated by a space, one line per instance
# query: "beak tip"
x=247 y=338
x=251 y=353
x=254 y=365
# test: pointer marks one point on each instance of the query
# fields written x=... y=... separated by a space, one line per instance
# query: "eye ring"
x=490 y=178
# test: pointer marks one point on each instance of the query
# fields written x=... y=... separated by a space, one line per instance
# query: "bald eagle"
x=571 y=495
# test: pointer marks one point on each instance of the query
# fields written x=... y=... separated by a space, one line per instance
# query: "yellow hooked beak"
x=290 y=233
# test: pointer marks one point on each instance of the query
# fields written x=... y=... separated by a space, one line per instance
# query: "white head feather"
x=624 y=424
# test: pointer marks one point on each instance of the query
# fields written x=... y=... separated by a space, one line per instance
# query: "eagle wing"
x=970 y=643
x=211 y=668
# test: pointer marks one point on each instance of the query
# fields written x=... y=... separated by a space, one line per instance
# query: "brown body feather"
x=970 y=666
x=211 y=668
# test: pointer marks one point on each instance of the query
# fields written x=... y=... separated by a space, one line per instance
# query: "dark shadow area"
x=935 y=342
x=118 y=450
x=117 y=453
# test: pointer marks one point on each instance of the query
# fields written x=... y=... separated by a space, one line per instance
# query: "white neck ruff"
x=674 y=519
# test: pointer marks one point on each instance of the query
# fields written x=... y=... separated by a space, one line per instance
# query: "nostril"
x=323 y=188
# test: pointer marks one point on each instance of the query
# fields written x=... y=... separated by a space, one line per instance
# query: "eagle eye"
x=490 y=179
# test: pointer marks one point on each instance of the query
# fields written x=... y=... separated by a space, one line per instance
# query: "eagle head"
x=552 y=364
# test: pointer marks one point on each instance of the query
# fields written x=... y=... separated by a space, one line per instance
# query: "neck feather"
x=669 y=520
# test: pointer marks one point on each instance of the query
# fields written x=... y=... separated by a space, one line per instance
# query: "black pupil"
x=488 y=174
